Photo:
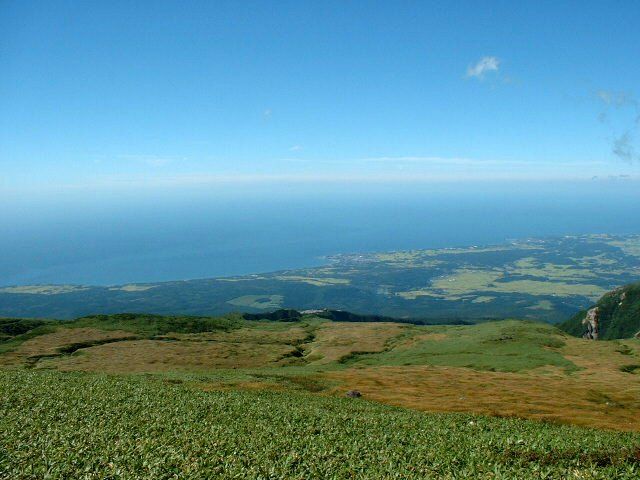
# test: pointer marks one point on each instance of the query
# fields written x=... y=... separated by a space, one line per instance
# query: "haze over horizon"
x=202 y=139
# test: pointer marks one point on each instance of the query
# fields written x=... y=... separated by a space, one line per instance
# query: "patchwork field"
x=546 y=279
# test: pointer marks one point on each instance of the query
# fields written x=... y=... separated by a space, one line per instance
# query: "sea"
x=110 y=238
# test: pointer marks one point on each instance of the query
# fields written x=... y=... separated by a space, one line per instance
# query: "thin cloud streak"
x=372 y=170
x=204 y=180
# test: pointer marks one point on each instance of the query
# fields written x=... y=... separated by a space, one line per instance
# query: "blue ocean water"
x=153 y=237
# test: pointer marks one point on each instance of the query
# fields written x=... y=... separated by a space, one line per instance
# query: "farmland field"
x=546 y=279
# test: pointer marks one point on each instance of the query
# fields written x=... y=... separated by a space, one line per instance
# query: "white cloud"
x=295 y=148
x=483 y=66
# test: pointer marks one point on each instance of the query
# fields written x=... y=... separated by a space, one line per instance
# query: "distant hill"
x=290 y=315
x=344 y=316
x=619 y=314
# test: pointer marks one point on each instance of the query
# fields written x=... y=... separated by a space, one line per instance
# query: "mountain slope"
x=505 y=368
x=619 y=314
x=143 y=427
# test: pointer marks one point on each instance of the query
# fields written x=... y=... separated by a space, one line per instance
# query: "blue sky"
x=123 y=95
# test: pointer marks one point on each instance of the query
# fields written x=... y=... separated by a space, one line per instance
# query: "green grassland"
x=508 y=346
x=149 y=396
x=564 y=274
x=423 y=367
x=95 y=426
x=261 y=302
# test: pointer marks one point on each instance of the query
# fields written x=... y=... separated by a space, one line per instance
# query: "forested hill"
x=619 y=314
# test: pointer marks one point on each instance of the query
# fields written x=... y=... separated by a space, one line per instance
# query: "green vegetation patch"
x=43 y=289
x=619 y=314
x=151 y=325
x=92 y=426
x=436 y=284
x=630 y=368
x=133 y=288
x=483 y=299
x=257 y=301
x=542 y=305
x=317 y=281
x=467 y=281
x=14 y=331
x=554 y=272
x=506 y=346
x=11 y=327
x=630 y=246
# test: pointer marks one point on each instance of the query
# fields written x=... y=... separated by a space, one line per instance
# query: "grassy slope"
x=152 y=325
x=228 y=397
x=15 y=331
x=507 y=346
x=516 y=368
x=94 y=426
x=11 y=327
x=618 y=318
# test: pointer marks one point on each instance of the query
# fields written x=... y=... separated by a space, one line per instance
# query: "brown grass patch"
x=419 y=338
x=163 y=356
x=289 y=335
x=51 y=343
x=547 y=396
x=336 y=341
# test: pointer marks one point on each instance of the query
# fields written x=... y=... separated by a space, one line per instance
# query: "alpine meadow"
x=338 y=240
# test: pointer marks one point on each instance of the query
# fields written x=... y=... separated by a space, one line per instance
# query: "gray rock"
x=592 y=321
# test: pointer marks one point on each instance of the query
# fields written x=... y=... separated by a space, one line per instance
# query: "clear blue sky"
x=171 y=94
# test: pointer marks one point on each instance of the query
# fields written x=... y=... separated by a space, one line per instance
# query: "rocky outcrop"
x=616 y=315
x=592 y=322
x=623 y=297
